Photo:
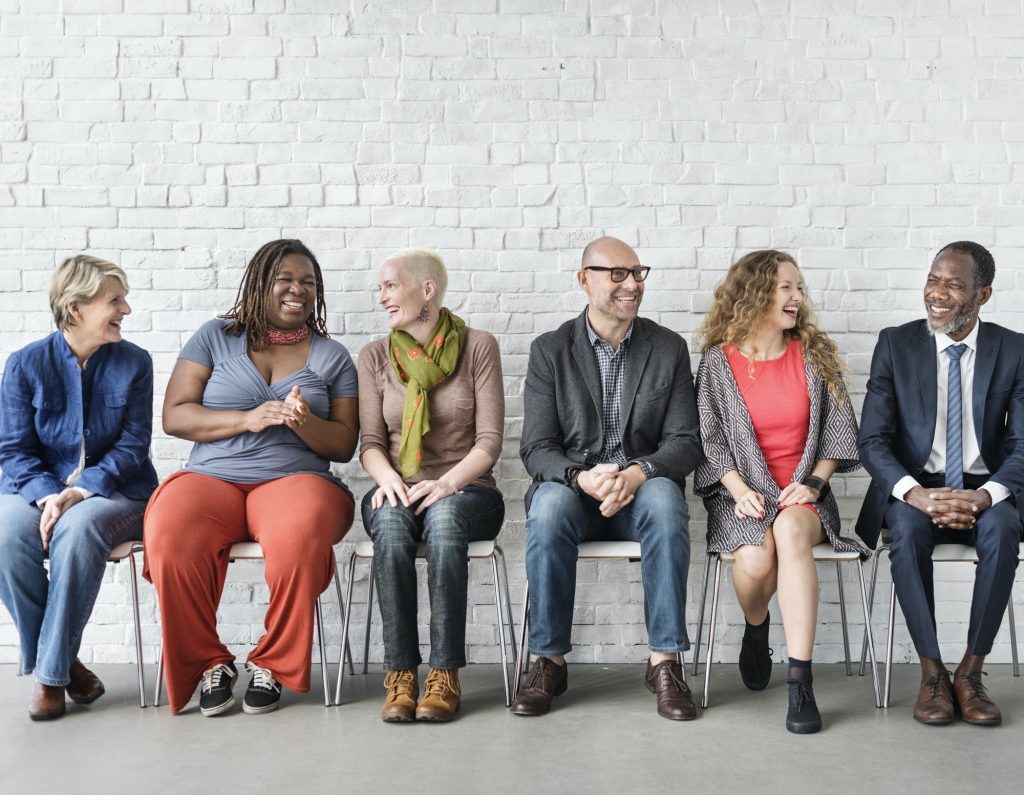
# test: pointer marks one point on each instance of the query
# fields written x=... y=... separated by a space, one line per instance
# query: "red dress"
x=779 y=406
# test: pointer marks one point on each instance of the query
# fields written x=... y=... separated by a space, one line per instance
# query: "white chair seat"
x=121 y=551
x=246 y=550
x=610 y=549
x=477 y=549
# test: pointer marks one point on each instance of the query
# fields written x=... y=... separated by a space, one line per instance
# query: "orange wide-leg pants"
x=191 y=522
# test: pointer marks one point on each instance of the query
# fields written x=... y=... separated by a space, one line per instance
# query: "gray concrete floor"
x=602 y=736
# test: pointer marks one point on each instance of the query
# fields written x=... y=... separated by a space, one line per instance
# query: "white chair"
x=121 y=552
x=823 y=553
x=478 y=550
x=588 y=550
x=251 y=550
x=943 y=553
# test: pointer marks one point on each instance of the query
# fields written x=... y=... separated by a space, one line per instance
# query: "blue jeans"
x=51 y=613
x=446 y=527
x=560 y=519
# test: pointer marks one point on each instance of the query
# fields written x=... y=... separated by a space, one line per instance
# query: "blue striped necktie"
x=954 y=421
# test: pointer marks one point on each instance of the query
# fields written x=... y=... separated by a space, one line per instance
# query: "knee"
x=909 y=528
x=791 y=535
x=391 y=527
x=445 y=526
x=757 y=563
x=549 y=517
x=999 y=531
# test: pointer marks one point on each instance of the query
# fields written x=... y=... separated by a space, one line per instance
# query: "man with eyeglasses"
x=610 y=433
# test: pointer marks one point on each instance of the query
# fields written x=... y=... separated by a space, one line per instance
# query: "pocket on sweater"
x=463 y=411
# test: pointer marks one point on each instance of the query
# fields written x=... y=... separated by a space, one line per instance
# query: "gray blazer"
x=562 y=403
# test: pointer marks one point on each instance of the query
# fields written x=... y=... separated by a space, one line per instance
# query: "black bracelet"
x=819 y=484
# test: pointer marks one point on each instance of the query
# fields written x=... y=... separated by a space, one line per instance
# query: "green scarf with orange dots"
x=421 y=368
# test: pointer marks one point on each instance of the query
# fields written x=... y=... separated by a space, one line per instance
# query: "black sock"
x=756 y=631
x=799 y=671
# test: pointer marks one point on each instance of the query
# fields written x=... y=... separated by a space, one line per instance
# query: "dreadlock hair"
x=249 y=314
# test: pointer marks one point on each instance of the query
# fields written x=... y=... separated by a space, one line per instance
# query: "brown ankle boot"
x=441 y=696
x=400 y=703
x=46 y=702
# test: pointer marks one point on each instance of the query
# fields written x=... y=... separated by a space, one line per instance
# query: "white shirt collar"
x=943 y=341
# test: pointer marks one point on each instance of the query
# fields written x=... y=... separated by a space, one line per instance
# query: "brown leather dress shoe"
x=972 y=698
x=547 y=680
x=441 y=696
x=84 y=687
x=46 y=703
x=667 y=682
x=400 y=703
x=934 y=704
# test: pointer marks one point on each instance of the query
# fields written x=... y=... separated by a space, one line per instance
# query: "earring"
x=424 y=315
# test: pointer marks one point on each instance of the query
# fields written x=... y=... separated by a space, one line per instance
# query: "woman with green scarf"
x=431 y=415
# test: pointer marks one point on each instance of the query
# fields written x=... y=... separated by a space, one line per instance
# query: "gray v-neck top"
x=236 y=384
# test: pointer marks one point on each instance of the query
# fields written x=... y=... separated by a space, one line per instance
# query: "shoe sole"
x=210 y=712
x=89 y=700
x=986 y=722
x=803 y=728
x=935 y=721
x=434 y=717
x=399 y=718
x=249 y=710
x=44 y=716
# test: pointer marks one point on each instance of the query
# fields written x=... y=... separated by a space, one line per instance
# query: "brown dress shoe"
x=84 y=687
x=667 y=682
x=441 y=696
x=547 y=680
x=934 y=704
x=400 y=703
x=46 y=703
x=975 y=705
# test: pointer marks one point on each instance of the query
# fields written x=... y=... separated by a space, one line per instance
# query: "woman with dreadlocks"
x=269 y=401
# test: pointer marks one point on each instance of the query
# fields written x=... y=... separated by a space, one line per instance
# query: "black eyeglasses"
x=619 y=274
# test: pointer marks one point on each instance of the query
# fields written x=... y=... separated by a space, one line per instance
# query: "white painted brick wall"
x=176 y=136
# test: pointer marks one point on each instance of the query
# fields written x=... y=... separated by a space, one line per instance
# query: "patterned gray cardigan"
x=730 y=443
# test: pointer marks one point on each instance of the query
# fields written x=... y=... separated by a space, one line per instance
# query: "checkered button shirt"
x=612 y=366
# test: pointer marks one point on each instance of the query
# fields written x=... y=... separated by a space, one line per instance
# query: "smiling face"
x=292 y=297
x=400 y=298
x=951 y=295
x=787 y=299
x=98 y=321
x=611 y=302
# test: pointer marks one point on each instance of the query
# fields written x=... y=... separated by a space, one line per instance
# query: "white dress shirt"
x=973 y=463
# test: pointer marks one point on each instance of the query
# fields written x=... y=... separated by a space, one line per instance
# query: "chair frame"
x=477 y=550
x=251 y=550
x=126 y=551
x=943 y=553
x=823 y=553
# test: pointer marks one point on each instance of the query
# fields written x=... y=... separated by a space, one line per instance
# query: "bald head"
x=608 y=251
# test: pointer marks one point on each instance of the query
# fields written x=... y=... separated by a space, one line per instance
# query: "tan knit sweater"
x=467 y=409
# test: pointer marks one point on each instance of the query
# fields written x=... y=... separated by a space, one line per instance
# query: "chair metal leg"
x=700 y=619
x=369 y=616
x=508 y=605
x=888 y=646
x=138 y=629
x=842 y=614
x=501 y=630
x=871 y=607
x=341 y=612
x=523 y=632
x=323 y=652
x=158 y=688
x=344 y=629
x=1013 y=636
x=711 y=633
x=867 y=628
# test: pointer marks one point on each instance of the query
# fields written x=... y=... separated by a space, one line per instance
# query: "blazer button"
x=88 y=432
x=46 y=404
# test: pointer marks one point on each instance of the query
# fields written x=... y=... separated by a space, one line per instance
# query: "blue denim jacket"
x=42 y=422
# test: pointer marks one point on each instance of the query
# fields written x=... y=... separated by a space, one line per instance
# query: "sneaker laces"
x=212 y=677
x=804 y=694
x=440 y=682
x=262 y=678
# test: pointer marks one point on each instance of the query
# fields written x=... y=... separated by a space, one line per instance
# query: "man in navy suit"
x=942 y=435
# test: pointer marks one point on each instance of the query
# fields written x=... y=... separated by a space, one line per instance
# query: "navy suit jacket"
x=897 y=425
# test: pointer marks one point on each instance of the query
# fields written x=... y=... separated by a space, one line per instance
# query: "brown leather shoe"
x=934 y=704
x=547 y=680
x=975 y=705
x=667 y=682
x=400 y=704
x=84 y=687
x=46 y=703
x=441 y=696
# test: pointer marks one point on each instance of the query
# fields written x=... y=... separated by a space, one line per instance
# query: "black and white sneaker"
x=215 y=689
x=264 y=692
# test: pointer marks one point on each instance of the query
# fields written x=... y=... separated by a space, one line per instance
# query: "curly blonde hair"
x=744 y=296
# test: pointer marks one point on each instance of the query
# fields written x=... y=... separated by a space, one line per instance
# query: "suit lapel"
x=984 y=366
x=583 y=353
x=636 y=362
x=928 y=378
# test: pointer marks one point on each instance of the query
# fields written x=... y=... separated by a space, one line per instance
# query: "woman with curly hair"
x=776 y=424
x=269 y=401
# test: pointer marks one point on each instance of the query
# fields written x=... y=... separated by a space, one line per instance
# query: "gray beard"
x=955 y=324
